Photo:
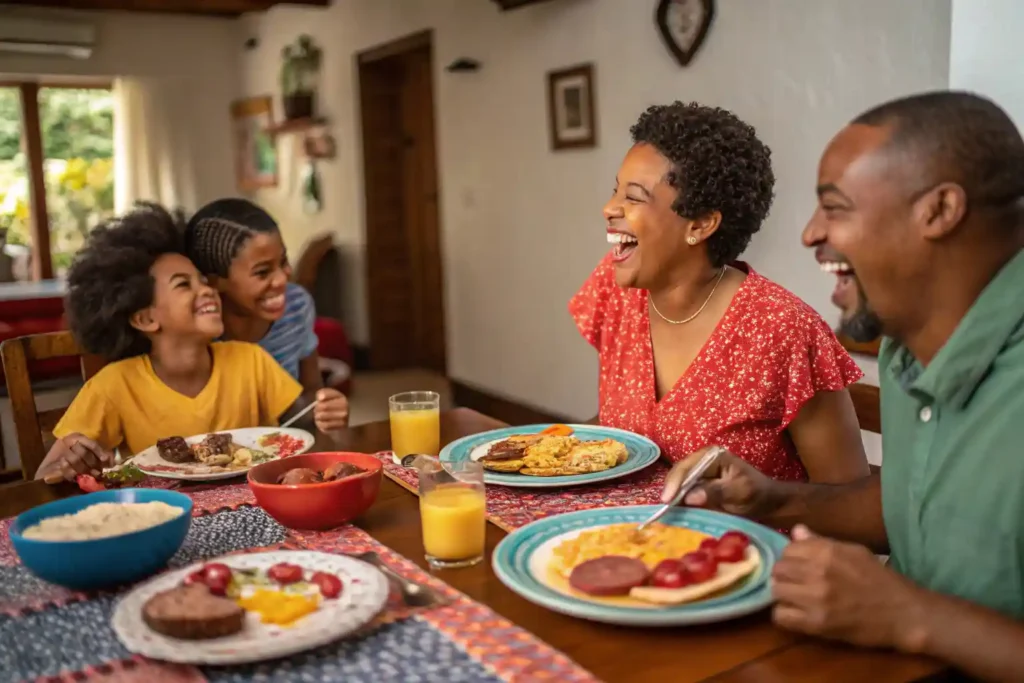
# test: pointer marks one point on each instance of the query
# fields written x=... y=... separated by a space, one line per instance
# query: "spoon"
x=413 y=594
x=691 y=480
x=427 y=463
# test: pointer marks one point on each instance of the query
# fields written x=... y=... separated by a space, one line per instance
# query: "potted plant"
x=300 y=75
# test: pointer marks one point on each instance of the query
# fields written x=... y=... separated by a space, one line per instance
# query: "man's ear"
x=144 y=322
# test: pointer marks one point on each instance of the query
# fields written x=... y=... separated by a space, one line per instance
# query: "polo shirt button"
x=926 y=414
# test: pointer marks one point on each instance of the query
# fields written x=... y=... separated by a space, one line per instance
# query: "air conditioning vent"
x=27 y=35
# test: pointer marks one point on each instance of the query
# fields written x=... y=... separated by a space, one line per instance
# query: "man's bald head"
x=961 y=138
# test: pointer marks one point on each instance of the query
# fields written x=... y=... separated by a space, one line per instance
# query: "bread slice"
x=728 y=574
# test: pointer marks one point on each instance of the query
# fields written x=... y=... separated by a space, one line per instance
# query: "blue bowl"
x=102 y=562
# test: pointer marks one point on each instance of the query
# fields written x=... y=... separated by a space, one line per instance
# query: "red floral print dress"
x=769 y=354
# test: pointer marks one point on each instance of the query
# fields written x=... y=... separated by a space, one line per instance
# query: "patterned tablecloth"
x=49 y=633
x=510 y=508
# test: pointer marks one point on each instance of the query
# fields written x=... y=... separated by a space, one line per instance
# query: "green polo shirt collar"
x=960 y=365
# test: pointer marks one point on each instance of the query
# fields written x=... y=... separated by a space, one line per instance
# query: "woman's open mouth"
x=625 y=245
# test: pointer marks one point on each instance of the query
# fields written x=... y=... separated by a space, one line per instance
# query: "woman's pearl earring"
x=692 y=240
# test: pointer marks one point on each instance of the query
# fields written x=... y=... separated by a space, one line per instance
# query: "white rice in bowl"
x=102 y=520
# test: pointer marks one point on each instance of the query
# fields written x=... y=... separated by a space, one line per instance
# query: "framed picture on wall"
x=571 y=114
x=255 y=152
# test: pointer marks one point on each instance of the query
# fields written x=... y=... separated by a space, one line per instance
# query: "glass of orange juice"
x=415 y=423
x=452 y=506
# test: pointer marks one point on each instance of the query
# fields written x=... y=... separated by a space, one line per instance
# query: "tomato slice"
x=285 y=573
x=557 y=430
x=700 y=565
x=737 y=537
x=709 y=544
x=329 y=584
x=730 y=549
x=670 y=574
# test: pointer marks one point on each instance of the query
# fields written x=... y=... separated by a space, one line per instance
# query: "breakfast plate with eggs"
x=554 y=455
x=250 y=607
x=691 y=567
x=220 y=455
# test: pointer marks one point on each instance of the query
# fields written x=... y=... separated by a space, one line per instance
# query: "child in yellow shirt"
x=135 y=299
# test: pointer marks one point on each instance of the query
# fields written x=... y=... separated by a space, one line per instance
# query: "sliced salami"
x=609 y=575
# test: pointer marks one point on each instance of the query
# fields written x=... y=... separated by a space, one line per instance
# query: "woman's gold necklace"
x=699 y=310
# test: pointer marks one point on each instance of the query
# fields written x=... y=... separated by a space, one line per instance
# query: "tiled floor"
x=370 y=392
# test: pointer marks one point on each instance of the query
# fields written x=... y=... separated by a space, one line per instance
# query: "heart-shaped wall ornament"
x=684 y=25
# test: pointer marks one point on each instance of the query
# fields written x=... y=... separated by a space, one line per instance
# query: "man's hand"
x=73 y=455
x=729 y=484
x=842 y=591
x=331 y=412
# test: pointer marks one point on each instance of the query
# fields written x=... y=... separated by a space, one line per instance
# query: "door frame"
x=393 y=48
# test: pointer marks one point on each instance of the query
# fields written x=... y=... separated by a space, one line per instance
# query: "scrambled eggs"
x=278 y=607
x=551 y=456
x=656 y=543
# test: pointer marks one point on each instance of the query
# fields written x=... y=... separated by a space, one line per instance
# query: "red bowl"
x=316 y=507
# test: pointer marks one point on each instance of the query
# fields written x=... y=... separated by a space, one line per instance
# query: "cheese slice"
x=728 y=574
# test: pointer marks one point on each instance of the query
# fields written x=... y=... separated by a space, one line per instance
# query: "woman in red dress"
x=696 y=348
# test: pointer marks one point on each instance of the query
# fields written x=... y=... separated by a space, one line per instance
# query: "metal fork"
x=691 y=480
x=413 y=594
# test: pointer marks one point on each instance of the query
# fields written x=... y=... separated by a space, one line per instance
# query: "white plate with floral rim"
x=364 y=594
x=265 y=443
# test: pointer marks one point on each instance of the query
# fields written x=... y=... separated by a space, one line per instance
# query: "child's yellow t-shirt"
x=125 y=405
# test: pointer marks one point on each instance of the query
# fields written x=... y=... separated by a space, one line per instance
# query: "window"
x=59 y=139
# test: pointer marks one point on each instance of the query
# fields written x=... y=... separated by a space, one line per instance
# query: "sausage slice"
x=608 y=575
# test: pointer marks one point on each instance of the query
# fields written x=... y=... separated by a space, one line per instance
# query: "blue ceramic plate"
x=642 y=452
x=522 y=554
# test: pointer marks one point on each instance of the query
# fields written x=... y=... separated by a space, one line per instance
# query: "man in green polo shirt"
x=921 y=215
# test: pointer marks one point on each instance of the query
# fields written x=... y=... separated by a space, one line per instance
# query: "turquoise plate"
x=525 y=552
x=642 y=452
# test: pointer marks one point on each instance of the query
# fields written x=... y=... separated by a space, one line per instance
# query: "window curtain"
x=152 y=151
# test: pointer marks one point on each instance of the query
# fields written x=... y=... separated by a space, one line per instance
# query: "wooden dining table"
x=738 y=651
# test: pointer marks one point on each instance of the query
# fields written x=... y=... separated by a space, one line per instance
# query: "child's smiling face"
x=258 y=278
x=184 y=305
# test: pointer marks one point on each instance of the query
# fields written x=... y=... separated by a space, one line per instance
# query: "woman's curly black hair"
x=109 y=280
x=718 y=164
x=218 y=231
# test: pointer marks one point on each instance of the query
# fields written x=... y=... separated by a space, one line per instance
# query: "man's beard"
x=862 y=325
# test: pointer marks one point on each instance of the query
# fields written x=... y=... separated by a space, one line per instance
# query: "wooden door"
x=403 y=246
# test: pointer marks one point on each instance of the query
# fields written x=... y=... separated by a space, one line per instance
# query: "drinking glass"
x=415 y=423
x=452 y=506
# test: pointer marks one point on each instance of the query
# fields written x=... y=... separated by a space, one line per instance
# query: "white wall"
x=986 y=51
x=796 y=70
x=197 y=57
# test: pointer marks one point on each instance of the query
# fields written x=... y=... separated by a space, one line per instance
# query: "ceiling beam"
x=222 y=8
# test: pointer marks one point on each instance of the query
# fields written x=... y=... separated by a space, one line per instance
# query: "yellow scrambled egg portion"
x=656 y=543
x=276 y=607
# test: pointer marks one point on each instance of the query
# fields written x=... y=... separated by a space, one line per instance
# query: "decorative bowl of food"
x=102 y=539
x=316 y=491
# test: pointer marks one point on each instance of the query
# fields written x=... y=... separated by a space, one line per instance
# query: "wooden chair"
x=34 y=427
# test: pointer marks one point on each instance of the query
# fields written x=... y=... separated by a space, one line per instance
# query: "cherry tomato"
x=737 y=537
x=700 y=565
x=709 y=544
x=670 y=574
x=198 y=576
x=329 y=584
x=730 y=549
x=217 y=577
x=285 y=573
x=89 y=484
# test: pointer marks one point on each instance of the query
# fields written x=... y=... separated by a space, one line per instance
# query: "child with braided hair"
x=135 y=299
x=238 y=247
